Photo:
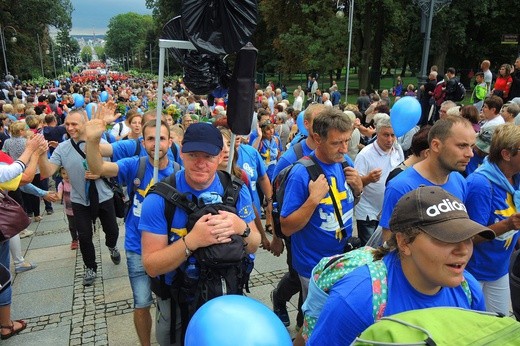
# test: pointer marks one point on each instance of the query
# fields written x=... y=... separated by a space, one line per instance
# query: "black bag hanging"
x=241 y=100
x=219 y=26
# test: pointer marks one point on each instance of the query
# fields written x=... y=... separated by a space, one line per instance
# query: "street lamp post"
x=3 y=43
x=341 y=14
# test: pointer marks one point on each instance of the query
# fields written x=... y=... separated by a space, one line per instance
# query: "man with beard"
x=450 y=149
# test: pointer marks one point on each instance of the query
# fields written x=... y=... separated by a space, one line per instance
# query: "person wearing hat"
x=201 y=153
x=494 y=201
x=480 y=149
x=425 y=260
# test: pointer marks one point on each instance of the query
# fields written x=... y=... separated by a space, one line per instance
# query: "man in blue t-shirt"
x=165 y=248
x=491 y=202
x=309 y=216
x=450 y=149
x=126 y=170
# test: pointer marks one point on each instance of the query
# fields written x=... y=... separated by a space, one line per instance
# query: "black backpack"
x=279 y=185
x=224 y=268
x=460 y=92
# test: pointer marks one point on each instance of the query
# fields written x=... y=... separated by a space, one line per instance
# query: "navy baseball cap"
x=202 y=137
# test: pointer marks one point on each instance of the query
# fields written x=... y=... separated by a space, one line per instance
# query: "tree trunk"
x=365 y=37
x=378 y=47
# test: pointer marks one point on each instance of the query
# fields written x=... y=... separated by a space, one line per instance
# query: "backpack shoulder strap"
x=378 y=273
x=298 y=150
x=232 y=186
x=312 y=166
x=173 y=197
x=137 y=147
x=467 y=291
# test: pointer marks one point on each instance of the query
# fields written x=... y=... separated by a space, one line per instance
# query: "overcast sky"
x=93 y=15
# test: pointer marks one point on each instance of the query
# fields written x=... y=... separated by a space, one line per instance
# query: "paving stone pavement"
x=59 y=310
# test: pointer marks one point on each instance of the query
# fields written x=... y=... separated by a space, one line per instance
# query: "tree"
x=100 y=52
x=126 y=33
x=86 y=54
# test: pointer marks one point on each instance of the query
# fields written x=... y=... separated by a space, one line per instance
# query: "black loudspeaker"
x=241 y=95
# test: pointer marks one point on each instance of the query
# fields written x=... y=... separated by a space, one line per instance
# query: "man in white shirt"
x=374 y=162
x=488 y=76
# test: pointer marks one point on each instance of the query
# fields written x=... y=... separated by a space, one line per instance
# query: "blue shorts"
x=139 y=281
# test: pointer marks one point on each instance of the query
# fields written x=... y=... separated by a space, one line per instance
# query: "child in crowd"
x=64 y=189
x=480 y=91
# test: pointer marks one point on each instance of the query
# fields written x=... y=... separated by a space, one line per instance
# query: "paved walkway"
x=61 y=311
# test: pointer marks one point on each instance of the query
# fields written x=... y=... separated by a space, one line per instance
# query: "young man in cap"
x=425 y=258
x=167 y=247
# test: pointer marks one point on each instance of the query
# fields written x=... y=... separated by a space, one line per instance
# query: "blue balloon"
x=300 y=124
x=405 y=114
x=103 y=97
x=91 y=108
x=235 y=320
x=79 y=100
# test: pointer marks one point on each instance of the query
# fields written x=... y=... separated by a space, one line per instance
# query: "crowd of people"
x=69 y=143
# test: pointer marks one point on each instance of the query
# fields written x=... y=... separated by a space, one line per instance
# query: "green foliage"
x=86 y=54
x=100 y=52
x=126 y=33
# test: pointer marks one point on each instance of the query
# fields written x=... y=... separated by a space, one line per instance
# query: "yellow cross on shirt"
x=338 y=196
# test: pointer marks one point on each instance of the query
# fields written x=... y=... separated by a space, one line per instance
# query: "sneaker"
x=25 y=266
x=37 y=218
x=280 y=310
x=50 y=212
x=115 y=255
x=25 y=233
x=74 y=245
x=89 y=277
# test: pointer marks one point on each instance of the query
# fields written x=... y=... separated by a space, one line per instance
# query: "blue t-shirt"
x=269 y=150
x=289 y=157
x=251 y=162
x=473 y=164
x=154 y=221
x=490 y=260
x=348 y=309
x=127 y=148
x=409 y=180
x=318 y=238
x=128 y=168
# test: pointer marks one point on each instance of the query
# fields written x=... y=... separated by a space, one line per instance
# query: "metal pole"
x=160 y=84
x=40 y=51
x=426 y=47
x=350 y=20
x=2 y=38
x=151 y=67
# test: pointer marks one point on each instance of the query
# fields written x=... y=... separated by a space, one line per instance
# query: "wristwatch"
x=187 y=252
x=246 y=232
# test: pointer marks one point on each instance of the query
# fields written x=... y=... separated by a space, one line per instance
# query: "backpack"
x=460 y=92
x=224 y=268
x=280 y=182
x=439 y=94
x=330 y=270
x=442 y=326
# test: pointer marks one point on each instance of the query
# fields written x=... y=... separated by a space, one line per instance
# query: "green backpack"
x=329 y=270
x=442 y=326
